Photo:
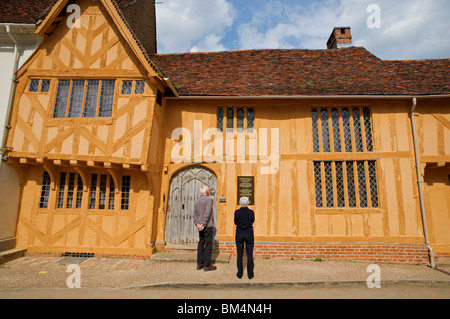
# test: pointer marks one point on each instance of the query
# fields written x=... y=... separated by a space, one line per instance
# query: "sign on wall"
x=246 y=187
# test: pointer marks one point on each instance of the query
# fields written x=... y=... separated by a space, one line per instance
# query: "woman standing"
x=244 y=218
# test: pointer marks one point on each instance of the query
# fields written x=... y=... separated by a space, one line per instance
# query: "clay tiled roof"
x=423 y=76
x=23 y=11
x=30 y=11
x=347 y=71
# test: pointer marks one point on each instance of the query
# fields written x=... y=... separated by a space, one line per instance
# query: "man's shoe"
x=209 y=268
x=200 y=267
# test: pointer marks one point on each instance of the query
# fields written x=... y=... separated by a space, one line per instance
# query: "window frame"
x=104 y=97
x=133 y=87
x=44 y=197
x=355 y=174
x=223 y=125
x=40 y=85
x=63 y=188
x=354 y=134
x=102 y=198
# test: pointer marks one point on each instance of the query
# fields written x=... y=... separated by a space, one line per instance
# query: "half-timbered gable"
x=84 y=93
x=86 y=106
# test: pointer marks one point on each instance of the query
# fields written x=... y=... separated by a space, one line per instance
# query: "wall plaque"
x=246 y=187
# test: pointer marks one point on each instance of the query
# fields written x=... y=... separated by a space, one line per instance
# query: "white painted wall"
x=27 y=42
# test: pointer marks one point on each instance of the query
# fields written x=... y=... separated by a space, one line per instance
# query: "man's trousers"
x=204 y=248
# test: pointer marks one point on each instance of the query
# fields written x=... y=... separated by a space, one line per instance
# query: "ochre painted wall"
x=285 y=201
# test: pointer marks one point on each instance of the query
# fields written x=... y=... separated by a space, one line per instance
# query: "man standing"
x=203 y=219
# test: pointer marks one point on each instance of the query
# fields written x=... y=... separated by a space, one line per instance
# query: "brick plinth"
x=388 y=253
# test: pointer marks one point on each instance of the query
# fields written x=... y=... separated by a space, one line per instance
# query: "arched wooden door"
x=183 y=192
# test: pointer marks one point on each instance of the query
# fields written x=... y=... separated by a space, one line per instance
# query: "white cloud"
x=409 y=29
x=185 y=25
x=209 y=43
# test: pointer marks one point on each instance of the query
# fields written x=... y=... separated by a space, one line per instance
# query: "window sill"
x=348 y=210
x=79 y=211
x=79 y=121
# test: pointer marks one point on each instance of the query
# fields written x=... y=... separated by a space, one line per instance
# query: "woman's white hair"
x=243 y=201
x=204 y=189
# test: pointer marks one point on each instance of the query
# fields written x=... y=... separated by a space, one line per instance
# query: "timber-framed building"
x=345 y=156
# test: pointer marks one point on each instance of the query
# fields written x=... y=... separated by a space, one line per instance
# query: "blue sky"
x=407 y=29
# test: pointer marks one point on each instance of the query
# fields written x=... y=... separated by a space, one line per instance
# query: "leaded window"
x=357 y=130
x=139 y=87
x=102 y=192
x=106 y=98
x=37 y=85
x=347 y=130
x=250 y=119
x=89 y=98
x=350 y=131
x=329 y=184
x=45 y=191
x=336 y=130
x=240 y=120
x=62 y=185
x=325 y=131
x=34 y=85
x=220 y=119
x=76 y=99
x=90 y=105
x=111 y=194
x=318 y=183
x=93 y=192
x=126 y=87
x=230 y=119
x=340 y=193
x=351 y=184
x=373 y=183
x=243 y=116
x=315 y=131
x=368 y=129
x=362 y=184
x=125 y=197
x=62 y=97
x=70 y=191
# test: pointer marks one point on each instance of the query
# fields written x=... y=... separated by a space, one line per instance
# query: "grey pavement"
x=166 y=276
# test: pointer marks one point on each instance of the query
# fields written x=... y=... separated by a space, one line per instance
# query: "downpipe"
x=7 y=125
x=420 y=186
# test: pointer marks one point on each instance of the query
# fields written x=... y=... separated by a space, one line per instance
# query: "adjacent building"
x=17 y=43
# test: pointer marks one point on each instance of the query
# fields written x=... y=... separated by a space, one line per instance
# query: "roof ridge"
x=263 y=50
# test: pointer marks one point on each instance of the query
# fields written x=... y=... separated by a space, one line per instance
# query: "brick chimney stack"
x=341 y=37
